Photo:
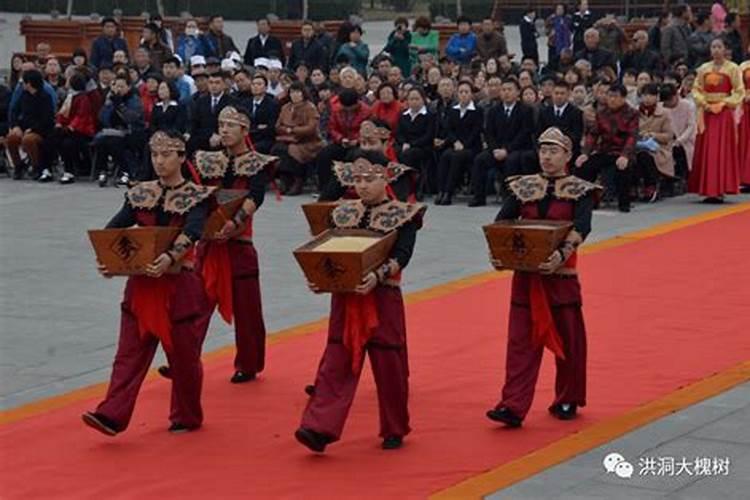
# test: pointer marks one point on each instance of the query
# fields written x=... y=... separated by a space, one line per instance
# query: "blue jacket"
x=103 y=49
x=462 y=48
x=18 y=91
x=123 y=113
x=189 y=46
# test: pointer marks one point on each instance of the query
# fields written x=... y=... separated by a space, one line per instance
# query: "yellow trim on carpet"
x=593 y=436
x=48 y=404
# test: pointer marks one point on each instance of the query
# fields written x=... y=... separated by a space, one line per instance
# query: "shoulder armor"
x=185 y=198
x=528 y=188
x=211 y=164
x=144 y=195
x=573 y=188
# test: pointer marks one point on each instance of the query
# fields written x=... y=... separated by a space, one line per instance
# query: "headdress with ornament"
x=368 y=129
x=554 y=135
x=161 y=141
x=230 y=114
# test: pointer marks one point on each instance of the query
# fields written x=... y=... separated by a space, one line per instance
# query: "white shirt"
x=462 y=111
x=263 y=38
x=559 y=111
x=215 y=100
x=274 y=90
x=508 y=110
x=413 y=116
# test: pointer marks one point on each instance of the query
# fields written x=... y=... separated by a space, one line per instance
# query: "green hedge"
x=230 y=9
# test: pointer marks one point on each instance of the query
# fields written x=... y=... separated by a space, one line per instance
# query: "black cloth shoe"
x=177 y=428
x=447 y=199
x=393 y=442
x=100 y=423
x=624 y=207
x=310 y=389
x=504 y=416
x=18 y=173
x=315 y=441
x=476 y=202
x=241 y=377
x=164 y=371
x=745 y=189
x=714 y=200
x=564 y=411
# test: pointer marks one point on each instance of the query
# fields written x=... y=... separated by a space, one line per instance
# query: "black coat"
x=571 y=124
x=256 y=49
x=418 y=133
x=646 y=60
x=529 y=45
x=514 y=133
x=34 y=112
x=264 y=114
x=468 y=129
x=598 y=58
x=312 y=54
x=203 y=122
x=173 y=118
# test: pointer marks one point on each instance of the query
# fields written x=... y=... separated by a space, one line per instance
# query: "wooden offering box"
x=338 y=259
x=522 y=245
x=230 y=201
x=318 y=215
x=128 y=251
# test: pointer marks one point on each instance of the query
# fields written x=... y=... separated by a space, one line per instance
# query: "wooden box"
x=342 y=269
x=319 y=215
x=229 y=202
x=522 y=245
x=128 y=251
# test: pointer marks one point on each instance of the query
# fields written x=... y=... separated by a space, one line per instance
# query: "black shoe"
x=18 y=173
x=164 y=371
x=504 y=416
x=46 y=176
x=564 y=411
x=477 y=203
x=296 y=188
x=310 y=389
x=241 y=377
x=447 y=200
x=393 y=442
x=177 y=428
x=439 y=199
x=714 y=200
x=100 y=423
x=624 y=207
x=316 y=441
x=745 y=189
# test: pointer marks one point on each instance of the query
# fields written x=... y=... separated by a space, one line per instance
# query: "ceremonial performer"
x=718 y=90
x=371 y=320
x=374 y=135
x=229 y=264
x=167 y=307
x=744 y=130
x=545 y=306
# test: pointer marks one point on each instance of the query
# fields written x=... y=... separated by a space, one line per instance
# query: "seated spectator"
x=158 y=50
x=597 y=56
x=630 y=81
x=490 y=42
x=564 y=115
x=654 y=147
x=191 y=43
x=53 y=75
x=343 y=132
x=415 y=132
x=32 y=119
x=16 y=70
x=204 y=116
x=463 y=142
x=430 y=83
x=682 y=116
x=526 y=78
x=149 y=94
x=168 y=112
x=121 y=133
x=462 y=46
x=612 y=37
x=297 y=139
x=142 y=64
x=494 y=90
x=509 y=135
x=530 y=97
x=173 y=71
x=642 y=58
x=386 y=107
x=76 y=125
x=609 y=146
x=580 y=96
x=325 y=94
x=440 y=107
x=264 y=113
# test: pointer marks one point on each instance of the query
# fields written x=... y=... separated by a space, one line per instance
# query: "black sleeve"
x=404 y=246
x=332 y=191
x=425 y=140
x=195 y=220
x=511 y=209
x=490 y=132
x=257 y=188
x=124 y=218
x=582 y=214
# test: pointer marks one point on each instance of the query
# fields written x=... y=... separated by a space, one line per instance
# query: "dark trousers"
x=645 y=169
x=452 y=168
x=336 y=383
x=288 y=166
x=73 y=148
x=486 y=161
x=263 y=146
x=249 y=327
x=123 y=150
x=604 y=165
x=413 y=157
x=324 y=163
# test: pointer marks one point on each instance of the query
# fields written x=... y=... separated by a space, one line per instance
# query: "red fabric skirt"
x=744 y=143
x=716 y=166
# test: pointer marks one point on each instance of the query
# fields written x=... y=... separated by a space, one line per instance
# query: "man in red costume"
x=546 y=305
x=229 y=264
x=371 y=320
x=160 y=307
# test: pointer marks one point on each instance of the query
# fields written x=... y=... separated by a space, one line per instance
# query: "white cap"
x=177 y=56
x=262 y=61
x=197 y=61
x=235 y=56
x=228 y=65
x=274 y=64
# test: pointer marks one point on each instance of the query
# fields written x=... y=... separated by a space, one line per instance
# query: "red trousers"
x=523 y=359
x=135 y=353
x=249 y=328
x=335 y=383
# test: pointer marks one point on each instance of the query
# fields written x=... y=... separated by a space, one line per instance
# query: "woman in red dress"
x=718 y=89
x=744 y=130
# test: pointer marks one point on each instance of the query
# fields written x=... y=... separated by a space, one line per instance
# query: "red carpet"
x=661 y=312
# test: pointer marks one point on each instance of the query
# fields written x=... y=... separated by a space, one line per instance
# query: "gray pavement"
x=58 y=318
x=716 y=428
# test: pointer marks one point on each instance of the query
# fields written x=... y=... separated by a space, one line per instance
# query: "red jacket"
x=81 y=118
x=389 y=113
x=148 y=101
x=345 y=124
